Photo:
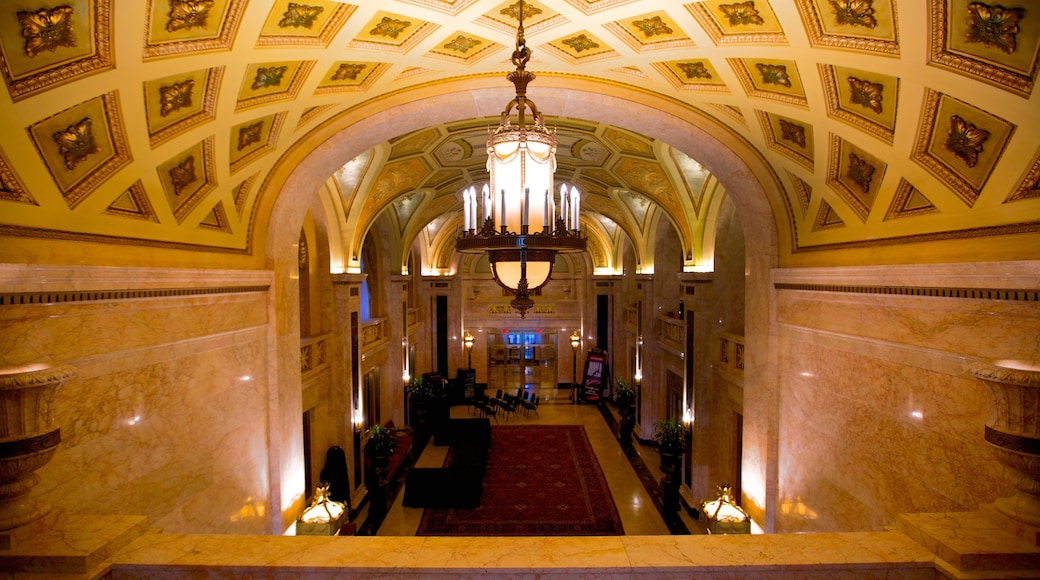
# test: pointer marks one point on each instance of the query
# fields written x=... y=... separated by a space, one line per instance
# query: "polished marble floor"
x=638 y=514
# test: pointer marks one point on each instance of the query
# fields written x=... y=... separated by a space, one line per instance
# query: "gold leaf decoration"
x=249 y=134
x=348 y=71
x=183 y=175
x=300 y=15
x=462 y=44
x=390 y=27
x=742 y=13
x=188 y=14
x=76 y=142
x=965 y=140
x=269 y=76
x=652 y=26
x=513 y=11
x=866 y=93
x=581 y=43
x=792 y=132
x=993 y=26
x=46 y=29
x=175 y=96
x=774 y=74
x=860 y=172
x=695 y=70
x=854 y=12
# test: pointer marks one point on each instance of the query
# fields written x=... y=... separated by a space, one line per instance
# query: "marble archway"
x=752 y=184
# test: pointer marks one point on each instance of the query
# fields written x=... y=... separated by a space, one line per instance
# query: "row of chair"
x=506 y=404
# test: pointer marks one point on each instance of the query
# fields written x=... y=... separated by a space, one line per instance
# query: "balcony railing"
x=314 y=352
x=730 y=355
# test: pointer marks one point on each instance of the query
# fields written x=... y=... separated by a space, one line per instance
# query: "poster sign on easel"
x=596 y=376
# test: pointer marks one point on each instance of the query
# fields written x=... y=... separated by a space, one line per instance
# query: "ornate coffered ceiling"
x=885 y=122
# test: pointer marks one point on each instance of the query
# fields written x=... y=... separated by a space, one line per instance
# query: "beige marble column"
x=28 y=439
x=1013 y=432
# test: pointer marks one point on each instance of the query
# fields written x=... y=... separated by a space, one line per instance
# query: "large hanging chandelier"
x=520 y=228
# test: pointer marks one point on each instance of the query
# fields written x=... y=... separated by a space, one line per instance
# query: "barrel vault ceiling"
x=155 y=122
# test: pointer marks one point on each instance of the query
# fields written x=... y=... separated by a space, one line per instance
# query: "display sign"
x=596 y=376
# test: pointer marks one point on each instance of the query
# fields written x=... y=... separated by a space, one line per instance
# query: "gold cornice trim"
x=79 y=296
x=49 y=234
x=1012 y=294
x=962 y=234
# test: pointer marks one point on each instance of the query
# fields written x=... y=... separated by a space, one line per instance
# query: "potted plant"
x=381 y=442
x=625 y=400
x=670 y=436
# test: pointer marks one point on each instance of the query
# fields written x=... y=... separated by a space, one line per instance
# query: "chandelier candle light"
x=520 y=229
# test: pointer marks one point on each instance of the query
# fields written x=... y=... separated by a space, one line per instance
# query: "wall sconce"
x=358 y=420
x=467 y=341
x=724 y=515
x=324 y=516
x=687 y=419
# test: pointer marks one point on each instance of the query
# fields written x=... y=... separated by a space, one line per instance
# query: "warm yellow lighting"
x=467 y=340
x=724 y=515
x=509 y=274
x=575 y=340
x=322 y=510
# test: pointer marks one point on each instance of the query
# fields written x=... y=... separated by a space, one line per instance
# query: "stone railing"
x=314 y=352
x=373 y=332
x=671 y=331
x=730 y=355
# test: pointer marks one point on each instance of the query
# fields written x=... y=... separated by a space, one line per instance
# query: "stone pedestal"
x=28 y=440
x=1013 y=432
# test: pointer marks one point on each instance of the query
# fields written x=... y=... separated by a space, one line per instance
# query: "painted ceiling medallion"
x=462 y=43
x=47 y=29
x=268 y=76
x=694 y=70
x=175 y=96
x=390 y=27
x=860 y=172
x=742 y=14
x=182 y=175
x=581 y=43
x=854 y=12
x=188 y=14
x=300 y=16
x=249 y=134
x=652 y=26
x=348 y=71
x=792 y=132
x=994 y=26
x=76 y=142
x=513 y=11
x=866 y=93
x=774 y=74
x=965 y=140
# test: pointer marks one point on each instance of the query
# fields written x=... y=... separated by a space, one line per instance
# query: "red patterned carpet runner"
x=541 y=480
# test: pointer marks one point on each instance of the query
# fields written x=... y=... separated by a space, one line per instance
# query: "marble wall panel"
x=168 y=414
x=877 y=415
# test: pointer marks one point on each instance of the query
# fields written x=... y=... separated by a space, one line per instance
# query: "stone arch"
x=751 y=182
